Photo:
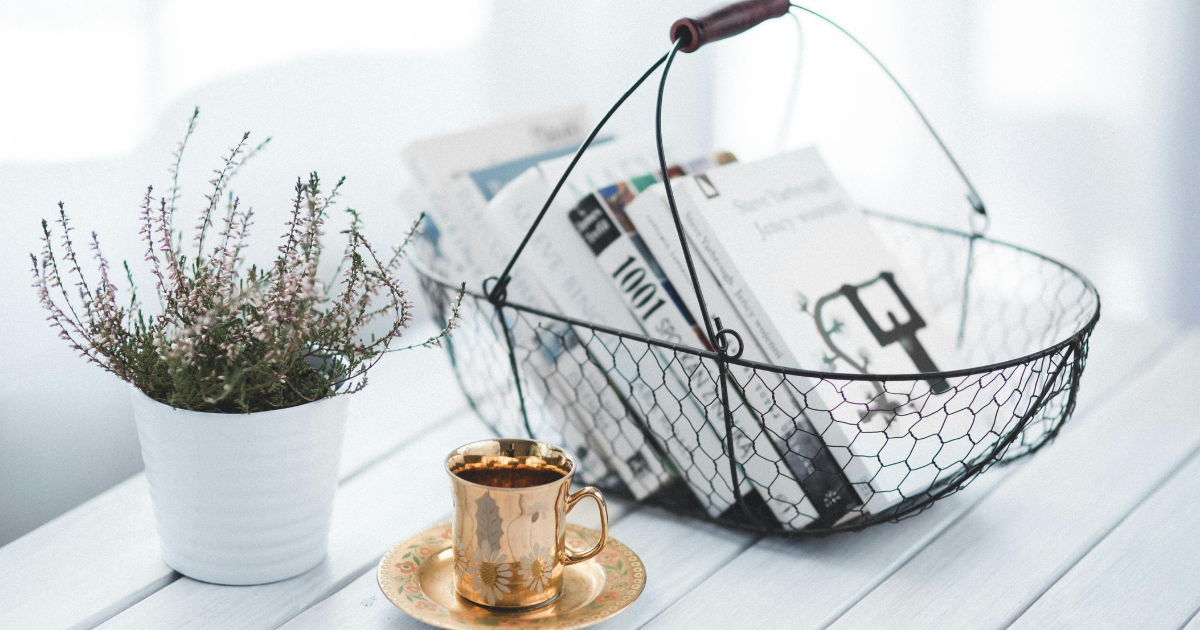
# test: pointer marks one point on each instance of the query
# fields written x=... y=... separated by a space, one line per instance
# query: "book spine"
x=797 y=474
x=566 y=418
x=699 y=450
x=834 y=433
x=622 y=444
x=451 y=256
x=615 y=407
x=592 y=399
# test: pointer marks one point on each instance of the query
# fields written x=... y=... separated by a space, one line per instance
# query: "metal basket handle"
x=726 y=21
x=689 y=34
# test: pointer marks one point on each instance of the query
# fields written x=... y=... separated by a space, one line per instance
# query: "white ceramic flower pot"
x=242 y=498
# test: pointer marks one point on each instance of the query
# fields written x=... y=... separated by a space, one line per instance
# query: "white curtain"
x=1075 y=119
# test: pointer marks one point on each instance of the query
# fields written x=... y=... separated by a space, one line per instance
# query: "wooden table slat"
x=977 y=559
x=360 y=605
x=116 y=528
x=1145 y=574
x=809 y=584
x=989 y=567
x=405 y=493
x=678 y=554
x=110 y=542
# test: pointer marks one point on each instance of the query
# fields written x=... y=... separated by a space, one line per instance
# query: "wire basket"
x=1023 y=318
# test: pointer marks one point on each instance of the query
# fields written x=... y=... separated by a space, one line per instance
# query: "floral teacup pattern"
x=511 y=499
x=506 y=554
x=535 y=569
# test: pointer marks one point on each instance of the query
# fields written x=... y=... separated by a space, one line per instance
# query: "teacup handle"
x=589 y=492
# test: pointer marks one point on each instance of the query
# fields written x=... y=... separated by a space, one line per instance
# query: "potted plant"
x=240 y=375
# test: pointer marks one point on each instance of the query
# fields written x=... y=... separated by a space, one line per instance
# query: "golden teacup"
x=511 y=499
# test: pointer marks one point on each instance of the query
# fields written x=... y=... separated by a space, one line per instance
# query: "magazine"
x=452 y=244
x=437 y=160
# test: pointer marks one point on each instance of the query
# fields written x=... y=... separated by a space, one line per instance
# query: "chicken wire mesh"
x=777 y=449
x=812 y=452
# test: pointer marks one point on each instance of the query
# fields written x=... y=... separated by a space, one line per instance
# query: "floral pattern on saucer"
x=400 y=570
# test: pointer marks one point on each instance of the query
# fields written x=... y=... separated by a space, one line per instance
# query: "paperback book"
x=585 y=389
x=786 y=452
x=574 y=381
x=631 y=265
x=802 y=263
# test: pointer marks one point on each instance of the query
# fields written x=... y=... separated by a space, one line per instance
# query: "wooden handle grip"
x=725 y=21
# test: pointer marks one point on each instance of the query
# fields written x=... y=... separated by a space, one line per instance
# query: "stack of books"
x=782 y=256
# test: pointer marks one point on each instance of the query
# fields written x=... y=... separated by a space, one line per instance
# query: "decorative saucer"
x=417 y=576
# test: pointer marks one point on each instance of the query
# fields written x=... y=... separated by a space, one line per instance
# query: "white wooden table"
x=1098 y=530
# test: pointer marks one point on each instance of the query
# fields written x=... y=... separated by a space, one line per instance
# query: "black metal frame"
x=1063 y=360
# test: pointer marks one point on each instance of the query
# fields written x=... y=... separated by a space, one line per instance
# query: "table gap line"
x=1162 y=482
x=916 y=550
x=418 y=434
x=333 y=588
x=120 y=607
x=1189 y=620
x=749 y=543
x=373 y=565
x=1005 y=473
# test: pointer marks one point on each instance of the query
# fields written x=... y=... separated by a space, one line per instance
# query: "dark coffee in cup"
x=511 y=476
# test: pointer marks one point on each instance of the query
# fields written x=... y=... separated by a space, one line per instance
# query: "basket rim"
x=1074 y=338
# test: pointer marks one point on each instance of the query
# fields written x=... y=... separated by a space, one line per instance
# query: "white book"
x=789 y=455
x=436 y=160
x=618 y=435
x=803 y=262
x=776 y=351
x=696 y=440
x=567 y=268
x=650 y=291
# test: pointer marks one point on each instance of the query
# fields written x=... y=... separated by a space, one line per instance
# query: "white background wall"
x=1074 y=118
x=95 y=96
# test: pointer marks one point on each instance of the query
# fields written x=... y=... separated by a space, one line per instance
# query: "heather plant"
x=226 y=338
